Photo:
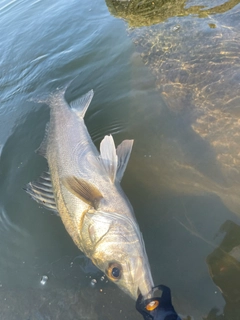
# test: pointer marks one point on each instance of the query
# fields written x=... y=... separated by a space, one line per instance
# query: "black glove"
x=157 y=308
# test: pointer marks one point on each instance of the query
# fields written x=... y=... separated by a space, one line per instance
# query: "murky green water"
x=175 y=179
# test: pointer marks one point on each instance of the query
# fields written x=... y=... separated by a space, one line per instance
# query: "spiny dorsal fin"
x=42 y=192
x=42 y=150
x=123 y=153
x=81 y=104
x=108 y=156
x=83 y=190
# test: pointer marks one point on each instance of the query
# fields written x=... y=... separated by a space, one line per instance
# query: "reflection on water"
x=148 y=12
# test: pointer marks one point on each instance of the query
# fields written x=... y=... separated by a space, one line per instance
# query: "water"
x=187 y=229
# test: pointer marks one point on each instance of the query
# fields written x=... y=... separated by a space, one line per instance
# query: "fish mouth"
x=135 y=295
x=142 y=278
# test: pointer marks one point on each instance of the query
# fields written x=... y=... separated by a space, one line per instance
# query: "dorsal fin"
x=108 y=156
x=83 y=190
x=123 y=153
x=42 y=192
x=81 y=104
x=42 y=150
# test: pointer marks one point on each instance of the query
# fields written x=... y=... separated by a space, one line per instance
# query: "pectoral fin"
x=42 y=192
x=123 y=153
x=83 y=190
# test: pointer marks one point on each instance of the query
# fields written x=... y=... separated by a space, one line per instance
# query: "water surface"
x=192 y=238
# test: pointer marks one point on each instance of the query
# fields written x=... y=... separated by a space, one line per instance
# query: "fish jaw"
x=115 y=245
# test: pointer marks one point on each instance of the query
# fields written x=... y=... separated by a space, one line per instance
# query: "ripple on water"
x=7 y=226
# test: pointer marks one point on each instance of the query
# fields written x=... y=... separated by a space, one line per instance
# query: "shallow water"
x=192 y=238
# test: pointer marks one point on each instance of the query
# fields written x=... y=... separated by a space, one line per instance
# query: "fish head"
x=118 y=250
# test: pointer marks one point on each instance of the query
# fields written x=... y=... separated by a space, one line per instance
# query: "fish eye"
x=114 y=271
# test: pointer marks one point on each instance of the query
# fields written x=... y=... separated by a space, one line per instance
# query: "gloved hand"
x=159 y=308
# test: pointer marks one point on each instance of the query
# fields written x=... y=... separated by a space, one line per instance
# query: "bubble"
x=102 y=278
x=44 y=280
x=93 y=282
x=175 y=28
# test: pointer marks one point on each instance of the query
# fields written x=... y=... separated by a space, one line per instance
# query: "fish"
x=82 y=186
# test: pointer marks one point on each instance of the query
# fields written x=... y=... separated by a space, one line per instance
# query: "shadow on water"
x=184 y=231
x=224 y=268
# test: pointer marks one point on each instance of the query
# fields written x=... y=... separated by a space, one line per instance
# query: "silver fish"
x=83 y=186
